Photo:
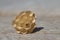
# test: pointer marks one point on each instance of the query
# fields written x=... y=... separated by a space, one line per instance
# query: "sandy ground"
x=47 y=22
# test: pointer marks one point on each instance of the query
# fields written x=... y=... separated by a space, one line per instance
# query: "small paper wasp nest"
x=24 y=23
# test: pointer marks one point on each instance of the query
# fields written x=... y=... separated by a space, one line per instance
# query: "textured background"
x=47 y=22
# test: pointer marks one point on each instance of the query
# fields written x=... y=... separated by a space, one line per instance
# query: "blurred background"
x=47 y=13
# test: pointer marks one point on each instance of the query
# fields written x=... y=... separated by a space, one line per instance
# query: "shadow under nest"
x=37 y=29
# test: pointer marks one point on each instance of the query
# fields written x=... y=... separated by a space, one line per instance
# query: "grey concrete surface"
x=47 y=22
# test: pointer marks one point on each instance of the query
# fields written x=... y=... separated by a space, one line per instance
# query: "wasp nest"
x=24 y=23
